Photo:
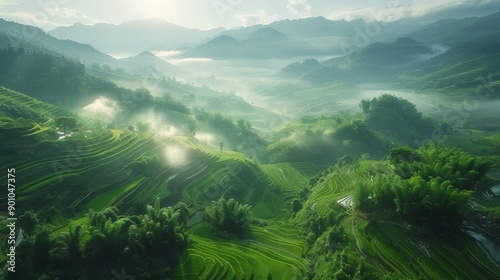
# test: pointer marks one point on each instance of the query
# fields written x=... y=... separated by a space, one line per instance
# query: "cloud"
x=300 y=8
x=415 y=9
x=69 y=13
x=102 y=107
x=48 y=18
x=261 y=17
x=4 y=3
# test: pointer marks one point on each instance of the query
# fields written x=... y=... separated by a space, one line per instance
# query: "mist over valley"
x=223 y=140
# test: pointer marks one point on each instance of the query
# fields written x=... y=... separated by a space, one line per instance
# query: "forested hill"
x=51 y=78
x=461 y=66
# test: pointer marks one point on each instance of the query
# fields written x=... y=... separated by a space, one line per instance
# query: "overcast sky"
x=205 y=14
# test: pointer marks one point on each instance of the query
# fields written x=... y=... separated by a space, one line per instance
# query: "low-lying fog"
x=258 y=83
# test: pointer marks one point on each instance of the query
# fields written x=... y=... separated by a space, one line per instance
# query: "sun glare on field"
x=102 y=107
x=166 y=132
x=206 y=138
x=175 y=155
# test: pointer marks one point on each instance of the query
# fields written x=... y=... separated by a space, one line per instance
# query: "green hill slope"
x=461 y=66
x=376 y=245
x=96 y=168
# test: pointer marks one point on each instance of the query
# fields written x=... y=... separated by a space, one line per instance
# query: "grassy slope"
x=24 y=120
x=271 y=252
x=462 y=66
x=396 y=247
x=66 y=178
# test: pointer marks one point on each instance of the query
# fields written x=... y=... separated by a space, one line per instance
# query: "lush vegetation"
x=149 y=245
x=177 y=183
x=228 y=216
x=429 y=187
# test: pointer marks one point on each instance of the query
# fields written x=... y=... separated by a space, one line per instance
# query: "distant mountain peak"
x=268 y=33
x=224 y=38
x=146 y=54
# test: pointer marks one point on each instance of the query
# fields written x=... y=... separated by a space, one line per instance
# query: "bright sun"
x=157 y=9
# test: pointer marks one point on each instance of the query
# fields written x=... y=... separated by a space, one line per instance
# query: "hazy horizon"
x=232 y=14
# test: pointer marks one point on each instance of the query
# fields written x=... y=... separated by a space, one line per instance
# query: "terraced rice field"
x=90 y=170
x=392 y=245
x=398 y=247
x=338 y=185
x=272 y=252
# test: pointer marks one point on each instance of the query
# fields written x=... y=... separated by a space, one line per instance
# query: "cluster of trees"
x=430 y=187
x=332 y=251
x=66 y=124
x=237 y=133
x=228 y=216
x=59 y=80
x=357 y=138
x=41 y=75
x=148 y=245
x=167 y=102
x=432 y=161
x=388 y=111
x=394 y=106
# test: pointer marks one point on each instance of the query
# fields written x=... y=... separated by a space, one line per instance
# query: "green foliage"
x=228 y=216
x=142 y=126
x=462 y=169
x=28 y=222
x=14 y=108
x=167 y=102
x=430 y=187
x=152 y=242
x=445 y=126
x=398 y=116
x=462 y=66
x=396 y=107
x=44 y=76
x=296 y=205
x=431 y=203
x=403 y=154
x=66 y=124
x=365 y=105
x=235 y=134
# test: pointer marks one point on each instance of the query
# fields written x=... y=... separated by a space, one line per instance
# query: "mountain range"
x=263 y=43
x=17 y=35
x=135 y=36
x=323 y=35
x=455 y=31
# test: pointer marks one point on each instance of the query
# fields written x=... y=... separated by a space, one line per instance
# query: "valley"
x=259 y=152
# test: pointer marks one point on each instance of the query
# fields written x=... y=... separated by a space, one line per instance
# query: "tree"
x=221 y=145
x=228 y=216
x=241 y=123
x=191 y=131
x=401 y=110
x=296 y=205
x=430 y=187
x=445 y=126
x=403 y=154
x=66 y=124
x=365 y=104
x=142 y=126
x=28 y=222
